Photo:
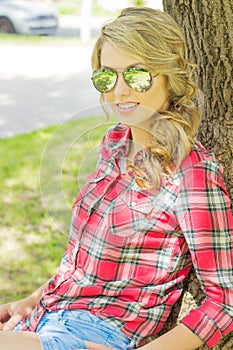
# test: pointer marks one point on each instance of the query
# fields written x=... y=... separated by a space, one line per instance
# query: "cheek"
x=109 y=100
x=109 y=97
x=157 y=98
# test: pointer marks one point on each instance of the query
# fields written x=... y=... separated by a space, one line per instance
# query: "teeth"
x=126 y=105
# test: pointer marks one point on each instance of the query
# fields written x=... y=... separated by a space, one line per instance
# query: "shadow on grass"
x=33 y=237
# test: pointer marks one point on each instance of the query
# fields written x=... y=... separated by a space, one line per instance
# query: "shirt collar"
x=118 y=141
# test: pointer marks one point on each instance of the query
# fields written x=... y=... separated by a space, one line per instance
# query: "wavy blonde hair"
x=154 y=38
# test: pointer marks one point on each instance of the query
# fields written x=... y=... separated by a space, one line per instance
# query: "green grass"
x=41 y=174
x=73 y=7
x=37 y=40
x=68 y=7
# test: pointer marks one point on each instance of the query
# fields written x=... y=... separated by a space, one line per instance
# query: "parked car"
x=27 y=17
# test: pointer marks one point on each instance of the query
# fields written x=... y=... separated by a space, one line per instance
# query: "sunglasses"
x=138 y=79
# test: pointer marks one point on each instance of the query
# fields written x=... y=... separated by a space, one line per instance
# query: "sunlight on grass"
x=33 y=237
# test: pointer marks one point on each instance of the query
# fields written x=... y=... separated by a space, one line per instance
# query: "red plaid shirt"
x=130 y=249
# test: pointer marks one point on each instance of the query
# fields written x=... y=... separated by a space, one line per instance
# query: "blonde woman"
x=155 y=207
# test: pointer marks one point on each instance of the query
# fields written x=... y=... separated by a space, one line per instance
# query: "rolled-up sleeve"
x=204 y=213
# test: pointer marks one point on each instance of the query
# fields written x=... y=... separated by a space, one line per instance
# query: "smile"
x=126 y=105
x=127 y=108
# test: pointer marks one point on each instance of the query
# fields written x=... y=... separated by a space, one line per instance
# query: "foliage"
x=138 y=2
x=73 y=7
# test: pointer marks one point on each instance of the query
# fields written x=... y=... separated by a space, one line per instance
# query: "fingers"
x=12 y=322
x=4 y=315
x=2 y=325
x=12 y=313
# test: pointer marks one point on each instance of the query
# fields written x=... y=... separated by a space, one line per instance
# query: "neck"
x=140 y=136
x=140 y=139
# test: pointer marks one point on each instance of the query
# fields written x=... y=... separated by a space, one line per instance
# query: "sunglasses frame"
x=123 y=73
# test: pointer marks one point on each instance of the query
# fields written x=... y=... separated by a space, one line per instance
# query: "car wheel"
x=6 y=26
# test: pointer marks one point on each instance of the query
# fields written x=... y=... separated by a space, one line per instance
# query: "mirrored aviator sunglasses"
x=138 y=79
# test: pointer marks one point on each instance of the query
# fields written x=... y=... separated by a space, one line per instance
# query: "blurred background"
x=47 y=109
x=45 y=50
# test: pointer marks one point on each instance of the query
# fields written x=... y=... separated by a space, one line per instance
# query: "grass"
x=41 y=174
x=74 y=7
x=38 y=188
x=68 y=7
x=37 y=40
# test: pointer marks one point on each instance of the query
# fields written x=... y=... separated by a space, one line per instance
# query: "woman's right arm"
x=13 y=312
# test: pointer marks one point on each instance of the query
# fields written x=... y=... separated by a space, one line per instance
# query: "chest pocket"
x=85 y=203
x=132 y=215
x=95 y=188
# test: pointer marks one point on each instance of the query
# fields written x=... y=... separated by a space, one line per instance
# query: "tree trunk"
x=208 y=29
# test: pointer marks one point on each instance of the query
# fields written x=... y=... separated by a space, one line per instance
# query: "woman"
x=155 y=207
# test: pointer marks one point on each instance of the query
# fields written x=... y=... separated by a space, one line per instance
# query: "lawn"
x=74 y=7
x=41 y=174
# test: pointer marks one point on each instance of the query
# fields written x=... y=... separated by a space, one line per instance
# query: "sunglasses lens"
x=138 y=79
x=104 y=79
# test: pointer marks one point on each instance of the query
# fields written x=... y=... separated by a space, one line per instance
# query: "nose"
x=121 y=88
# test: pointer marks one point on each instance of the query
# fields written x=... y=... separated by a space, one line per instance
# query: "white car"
x=27 y=17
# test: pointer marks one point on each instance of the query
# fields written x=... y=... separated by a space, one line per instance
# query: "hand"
x=94 y=346
x=12 y=313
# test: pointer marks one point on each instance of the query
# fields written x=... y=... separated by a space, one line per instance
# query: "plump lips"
x=126 y=107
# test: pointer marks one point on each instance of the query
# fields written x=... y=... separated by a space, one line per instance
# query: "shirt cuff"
x=209 y=322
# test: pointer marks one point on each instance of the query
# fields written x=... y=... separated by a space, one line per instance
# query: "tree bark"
x=208 y=29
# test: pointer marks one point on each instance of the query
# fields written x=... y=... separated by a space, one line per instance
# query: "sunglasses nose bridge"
x=121 y=87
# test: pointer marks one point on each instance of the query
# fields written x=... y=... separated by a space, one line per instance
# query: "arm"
x=13 y=312
x=204 y=215
x=179 y=337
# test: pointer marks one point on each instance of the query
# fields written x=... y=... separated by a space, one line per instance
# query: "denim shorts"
x=68 y=329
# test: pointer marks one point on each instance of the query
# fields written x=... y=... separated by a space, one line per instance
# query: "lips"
x=126 y=107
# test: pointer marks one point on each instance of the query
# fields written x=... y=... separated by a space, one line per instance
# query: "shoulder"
x=201 y=181
x=201 y=169
x=201 y=158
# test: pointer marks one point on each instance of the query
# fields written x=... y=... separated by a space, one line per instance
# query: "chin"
x=134 y=120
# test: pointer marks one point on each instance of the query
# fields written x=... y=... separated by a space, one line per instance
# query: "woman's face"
x=132 y=107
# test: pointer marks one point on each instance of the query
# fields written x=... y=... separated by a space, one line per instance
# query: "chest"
x=116 y=208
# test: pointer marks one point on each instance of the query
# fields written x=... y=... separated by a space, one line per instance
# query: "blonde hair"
x=154 y=38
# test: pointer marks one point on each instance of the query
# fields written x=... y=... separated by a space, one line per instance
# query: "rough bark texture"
x=208 y=29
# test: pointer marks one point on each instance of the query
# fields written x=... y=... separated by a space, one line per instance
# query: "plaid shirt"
x=130 y=249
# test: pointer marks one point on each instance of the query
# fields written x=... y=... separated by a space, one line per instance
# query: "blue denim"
x=67 y=330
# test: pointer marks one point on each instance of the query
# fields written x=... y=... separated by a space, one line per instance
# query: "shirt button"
x=133 y=204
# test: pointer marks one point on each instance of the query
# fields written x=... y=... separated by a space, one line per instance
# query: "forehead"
x=111 y=56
